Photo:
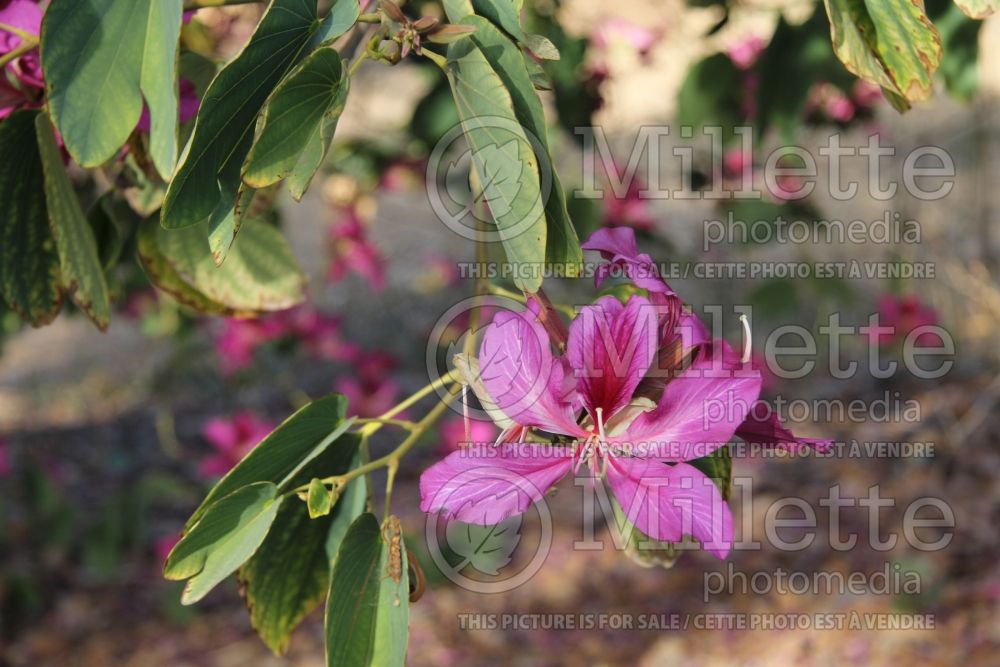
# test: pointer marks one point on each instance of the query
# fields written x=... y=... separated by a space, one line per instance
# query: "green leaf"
x=639 y=547
x=562 y=247
x=486 y=548
x=352 y=504
x=368 y=608
x=208 y=177
x=290 y=573
x=978 y=9
x=503 y=158
x=719 y=466
x=286 y=451
x=392 y=619
x=29 y=264
x=352 y=605
x=709 y=94
x=319 y=499
x=341 y=18
x=82 y=273
x=288 y=576
x=301 y=117
x=101 y=58
x=261 y=274
x=960 y=36
x=228 y=534
x=163 y=275
x=891 y=43
x=507 y=15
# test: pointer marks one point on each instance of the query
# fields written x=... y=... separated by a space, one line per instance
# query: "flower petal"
x=618 y=246
x=698 y=412
x=667 y=502
x=485 y=485
x=527 y=383
x=763 y=428
x=610 y=348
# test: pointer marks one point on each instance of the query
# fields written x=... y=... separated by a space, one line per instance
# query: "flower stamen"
x=747 y=338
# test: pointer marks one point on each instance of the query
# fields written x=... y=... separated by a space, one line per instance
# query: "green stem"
x=26 y=37
x=357 y=62
x=23 y=48
x=437 y=59
x=393 y=457
x=373 y=17
x=376 y=423
x=401 y=423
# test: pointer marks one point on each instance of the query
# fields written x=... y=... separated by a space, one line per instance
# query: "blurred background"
x=108 y=441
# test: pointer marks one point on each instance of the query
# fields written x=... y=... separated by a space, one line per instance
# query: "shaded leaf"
x=260 y=275
x=352 y=604
x=486 y=548
x=82 y=273
x=101 y=59
x=393 y=617
x=208 y=177
x=29 y=263
x=299 y=122
x=228 y=534
x=341 y=18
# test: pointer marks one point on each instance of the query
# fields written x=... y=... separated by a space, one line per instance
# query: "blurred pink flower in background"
x=866 y=96
x=238 y=340
x=163 y=545
x=353 y=252
x=5 y=464
x=628 y=211
x=745 y=53
x=232 y=438
x=401 y=175
x=28 y=84
x=619 y=31
x=370 y=389
x=438 y=272
x=903 y=314
x=736 y=162
x=453 y=433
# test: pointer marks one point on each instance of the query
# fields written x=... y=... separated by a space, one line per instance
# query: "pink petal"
x=618 y=246
x=667 y=502
x=222 y=433
x=519 y=372
x=763 y=427
x=610 y=348
x=485 y=485
x=699 y=412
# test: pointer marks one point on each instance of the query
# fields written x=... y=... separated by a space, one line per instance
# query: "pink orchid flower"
x=900 y=315
x=617 y=30
x=638 y=446
x=618 y=246
x=353 y=252
x=187 y=106
x=630 y=210
x=232 y=438
x=5 y=464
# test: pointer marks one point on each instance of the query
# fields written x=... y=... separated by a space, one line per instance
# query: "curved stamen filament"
x=747 y=338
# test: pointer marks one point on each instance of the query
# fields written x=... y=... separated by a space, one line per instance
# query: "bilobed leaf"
x=302 y=114
x=101 y=59
x=82 y=273
x=208 y=176
x=978 y=9
x=225 y=537
x=352 y=604
x=492 y=130
x=29 y=263
x=392 y=619
x=163 y=275
x=282 y=454
x=260 y=275
x=562 y=248
x=290 y=573
x=887 y=42
x=485 y=548
x=507 y=15
x=341 y=18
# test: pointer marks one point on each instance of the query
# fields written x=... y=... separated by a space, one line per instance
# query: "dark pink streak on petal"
x=611 y=347
x=667 y=502
x=485 y=485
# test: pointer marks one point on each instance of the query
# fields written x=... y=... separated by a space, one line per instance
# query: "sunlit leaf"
x=102 y=58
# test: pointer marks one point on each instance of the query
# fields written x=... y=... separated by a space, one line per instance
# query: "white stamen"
x=600 y=423
x=747 y=338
